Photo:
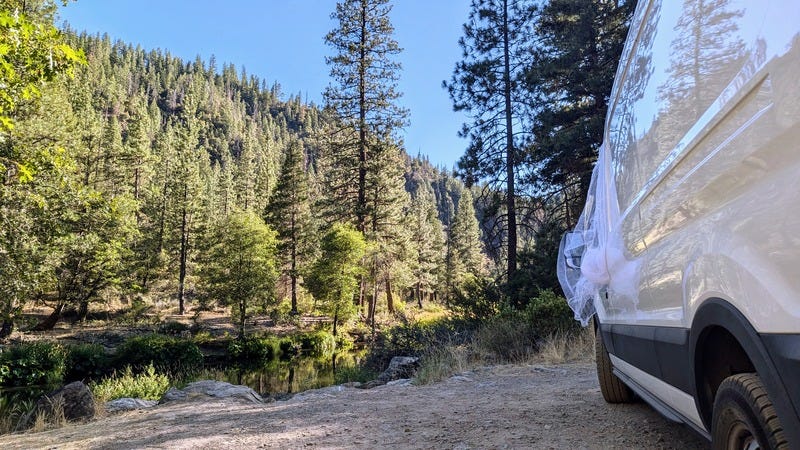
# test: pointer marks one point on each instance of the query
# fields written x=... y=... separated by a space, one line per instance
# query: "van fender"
x=716 y=312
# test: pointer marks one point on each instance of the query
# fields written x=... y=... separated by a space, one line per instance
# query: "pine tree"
x=486 y=84
x=463 y=243
x=364 y=94
x=289 y=213
x=428 y=242
x=571 y=74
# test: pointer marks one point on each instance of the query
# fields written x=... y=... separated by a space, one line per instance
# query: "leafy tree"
x=32 y=54
x=91 y=249
x=364 y=94
x=487 y=85
x=333 y=280
x=239 y=269
x=289 y=212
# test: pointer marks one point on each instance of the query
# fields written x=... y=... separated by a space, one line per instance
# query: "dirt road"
x=516 y=407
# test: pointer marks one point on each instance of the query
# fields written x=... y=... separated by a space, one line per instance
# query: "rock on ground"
x=211 y=388
x=75 y=400
x=129 y=404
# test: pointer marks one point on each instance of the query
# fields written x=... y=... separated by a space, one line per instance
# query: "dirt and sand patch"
x=512 y=406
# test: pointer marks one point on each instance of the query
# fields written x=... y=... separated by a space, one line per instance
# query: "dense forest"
x=129 y=176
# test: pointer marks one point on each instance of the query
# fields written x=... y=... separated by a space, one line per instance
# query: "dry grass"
x=442 y=363
x=448 y=360
x=562 y=348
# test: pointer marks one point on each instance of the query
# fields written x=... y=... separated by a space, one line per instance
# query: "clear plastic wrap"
x=582 y=264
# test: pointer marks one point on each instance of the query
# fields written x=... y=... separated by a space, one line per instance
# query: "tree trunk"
x=242 y=318
x=419 y=294
x=335 y=320
x=182 y=273
x=6 y=328
x=361 y=208
x=389 y=296
x=83 y=310
x=293 y=272
x=52 y=319
x=510 y=152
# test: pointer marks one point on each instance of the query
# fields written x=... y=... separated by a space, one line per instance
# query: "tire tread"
x=748 y=387
x=612 y=388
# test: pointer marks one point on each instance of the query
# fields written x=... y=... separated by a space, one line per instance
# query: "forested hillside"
x=127 y=171
x=131 y=170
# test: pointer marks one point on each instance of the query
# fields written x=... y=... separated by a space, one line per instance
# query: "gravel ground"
x=513 y=406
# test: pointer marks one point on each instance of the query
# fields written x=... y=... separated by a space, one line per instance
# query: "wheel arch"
x=718 y=322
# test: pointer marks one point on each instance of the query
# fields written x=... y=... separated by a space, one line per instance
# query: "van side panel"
x=704 y=136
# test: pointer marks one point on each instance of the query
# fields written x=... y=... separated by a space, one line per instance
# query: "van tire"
x=612 y=388
x=743 y=413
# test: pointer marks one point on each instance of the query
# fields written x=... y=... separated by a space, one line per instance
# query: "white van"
x=688 y=251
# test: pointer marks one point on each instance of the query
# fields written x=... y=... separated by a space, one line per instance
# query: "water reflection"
x=285 y=377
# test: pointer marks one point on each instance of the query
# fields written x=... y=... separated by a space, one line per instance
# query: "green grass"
x=147 y=385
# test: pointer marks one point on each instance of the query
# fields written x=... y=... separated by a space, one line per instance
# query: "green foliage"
x=317 y=343
x=86 y=361
x=35 y=364
x=240 y=268
x=354 y=373
x=550 y=314
x=166 y=354
x=147 y=385
x=334 y=277
x=290 y=213
x=507 y=337
x=254 y=351
x=416 y=339
x=477 y=298
x=31 y=52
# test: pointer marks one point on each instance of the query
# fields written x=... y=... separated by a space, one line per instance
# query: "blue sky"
x=282 y=40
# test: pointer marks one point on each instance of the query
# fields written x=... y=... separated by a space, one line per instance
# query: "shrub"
x=288 y=347
x=173 y=328
x=353 y=373
x=254 y=351
x=550 y=314
x=86 y=361
x=440 y=363
x=147 y=385
x=166 y=354
x=476 y=298
x=416 y=338
x=507 y=337
x=33 y=364
x=317 y=343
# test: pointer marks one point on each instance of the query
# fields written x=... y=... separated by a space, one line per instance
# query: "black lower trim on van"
x=671 y=355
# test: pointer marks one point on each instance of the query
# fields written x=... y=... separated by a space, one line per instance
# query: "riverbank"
x=506 y=406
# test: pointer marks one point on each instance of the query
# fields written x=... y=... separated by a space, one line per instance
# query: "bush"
x=86 y=361
x=508 y=337
x=550 y=314
x=147 y=385
x=417 y=338
x=317 y=343
x=33 y=364
x=166 y=354
x=440 y=363
x=254 y=351
x=173 y=328
x=476 y=298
